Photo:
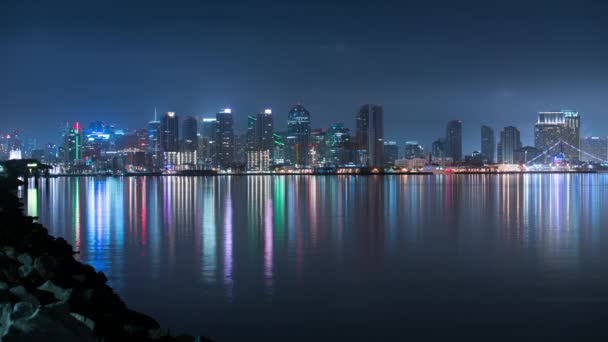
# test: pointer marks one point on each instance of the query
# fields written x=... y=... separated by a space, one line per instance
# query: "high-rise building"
x=438 y=149
x=558 y=131
x=453 y=140
x=370 y=134
x=169 y=132
x=413 y=149
x=225 y=138
x=154 y=149
x=336 y=140
x=488 y=143
x=594 y=149
x=207 y=142
x=260 y=140
x=391 y=152
x=509 y=142
x=72 y=143
x=298 y=134
x=189 y=134
x=375 y=137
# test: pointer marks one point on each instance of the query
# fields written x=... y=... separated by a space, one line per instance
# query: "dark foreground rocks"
x=46 y=295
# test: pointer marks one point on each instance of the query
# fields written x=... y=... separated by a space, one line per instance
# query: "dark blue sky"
x=485 y=62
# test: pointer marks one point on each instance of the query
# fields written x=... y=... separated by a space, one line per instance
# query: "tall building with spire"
x=154 y=142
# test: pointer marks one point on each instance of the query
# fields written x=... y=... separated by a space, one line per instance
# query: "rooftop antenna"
x=154 y=113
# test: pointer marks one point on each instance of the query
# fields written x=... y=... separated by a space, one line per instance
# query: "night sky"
x=485 y=62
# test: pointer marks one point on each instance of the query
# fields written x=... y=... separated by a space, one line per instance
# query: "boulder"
x=21 y=310
x=10 y=252
x=48 y=323
x=21 y=294
x=25 y=259
x=25 y=271
x=45 y=266
x=60 y=293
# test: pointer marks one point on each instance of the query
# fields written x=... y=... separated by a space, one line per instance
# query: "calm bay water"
x=331 y=257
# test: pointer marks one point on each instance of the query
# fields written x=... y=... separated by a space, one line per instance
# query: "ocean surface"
x=376 y=258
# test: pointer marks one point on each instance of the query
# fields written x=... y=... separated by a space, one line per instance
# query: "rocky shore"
x=47 y=295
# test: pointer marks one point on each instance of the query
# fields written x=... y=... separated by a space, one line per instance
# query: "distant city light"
x=171 y=114
x=227 y=110
x=267 y=111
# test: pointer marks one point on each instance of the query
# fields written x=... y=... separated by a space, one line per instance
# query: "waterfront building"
x=298 y=135
x=169 y=132
x=225 y=139
x=370 y=134
x=438 y=149
x=509 y=142
x=488 y=143
x=189 y=134
x=391 y=152
x=525 y=154
x=553 y=127
x=594 y=149
x=413 y=149
x=453 y=140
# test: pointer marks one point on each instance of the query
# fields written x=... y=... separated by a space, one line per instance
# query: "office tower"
x=453 y=140
x=412 y=150
x=208 y=141
x=594 y=149
x=189 y=134
x=438 y=149
x=169 y=132
x=72 y=140
x=298 y=134
x=260 y=141
x=391 y=152
x=488 y=144
x=154 y=149
x=370 y=134
x=509 y=142
x=376 y=137
x=558 y=131
x=225 y=138
x=336 y=140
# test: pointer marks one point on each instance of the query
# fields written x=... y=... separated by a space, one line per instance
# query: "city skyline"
x=420 y=62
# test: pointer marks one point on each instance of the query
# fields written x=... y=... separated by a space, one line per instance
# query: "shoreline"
x=46 y=294
x=334 y=174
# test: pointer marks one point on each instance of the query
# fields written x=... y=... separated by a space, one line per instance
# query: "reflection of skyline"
x=258 y=230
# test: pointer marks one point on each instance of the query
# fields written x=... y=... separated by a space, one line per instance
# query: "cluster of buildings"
x=175 y=142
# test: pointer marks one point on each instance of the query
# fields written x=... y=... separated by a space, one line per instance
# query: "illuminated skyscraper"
x=509 y=142
x=437 y=148
x=391 y=152
x=169 y=134
x=72 y=141
x=413 y=149
x=453 y=140
x=298 y=134
x=553 y=127
x=225 y=138
x=208 y=141
x=260 y=141
x=154 y=131
x=488 y=143
x=189 y=134
x=337 y=137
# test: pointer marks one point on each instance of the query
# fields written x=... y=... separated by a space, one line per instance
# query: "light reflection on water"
x=235 y=256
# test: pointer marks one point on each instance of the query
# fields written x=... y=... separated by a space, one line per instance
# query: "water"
x=484 y=257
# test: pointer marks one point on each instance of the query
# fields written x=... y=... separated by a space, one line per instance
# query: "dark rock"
x=5 y=315
x=25 y=271
x=21 y=294
x=86 y=321
x=81 y=278
x=3 y=285
x=10 y=252
x=49 y=323
x=60 y=294
x=21 y=310
x=157 y=334
x=45 y=266
x=25 y=259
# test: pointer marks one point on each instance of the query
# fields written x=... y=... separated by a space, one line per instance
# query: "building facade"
x=488 y=143
x=453 y=140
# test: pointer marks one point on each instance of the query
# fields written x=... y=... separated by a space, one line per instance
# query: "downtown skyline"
x=72 y=62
